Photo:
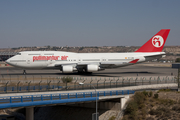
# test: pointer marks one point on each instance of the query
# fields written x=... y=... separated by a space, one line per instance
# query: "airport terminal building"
x=5 y=55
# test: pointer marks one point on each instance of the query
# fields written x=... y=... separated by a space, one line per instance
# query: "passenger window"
x=18 y=54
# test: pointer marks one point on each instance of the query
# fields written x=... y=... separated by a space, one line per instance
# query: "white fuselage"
x=69 y=62
x=78 y=61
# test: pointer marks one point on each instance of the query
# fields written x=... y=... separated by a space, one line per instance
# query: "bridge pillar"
x=106 y=105
x=124 y=100
x=30 y=113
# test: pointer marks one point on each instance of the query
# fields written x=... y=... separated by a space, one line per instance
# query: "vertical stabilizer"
x=156 y=43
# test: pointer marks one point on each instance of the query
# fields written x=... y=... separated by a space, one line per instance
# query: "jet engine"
x=92 y=68
x=67 y=69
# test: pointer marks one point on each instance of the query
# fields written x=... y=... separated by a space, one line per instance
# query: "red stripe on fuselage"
x=134 y=61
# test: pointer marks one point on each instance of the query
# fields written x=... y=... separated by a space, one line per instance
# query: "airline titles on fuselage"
x=40 y=58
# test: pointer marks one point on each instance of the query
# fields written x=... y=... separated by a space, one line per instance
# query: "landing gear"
x=84 y=72
x=24 y=72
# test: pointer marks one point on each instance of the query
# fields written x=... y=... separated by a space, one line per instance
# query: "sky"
x=87 y=22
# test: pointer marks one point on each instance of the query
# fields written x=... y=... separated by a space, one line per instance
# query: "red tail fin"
x=156 y=43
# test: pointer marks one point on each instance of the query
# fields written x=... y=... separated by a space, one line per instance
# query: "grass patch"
x=165 y=90
x=112 y=118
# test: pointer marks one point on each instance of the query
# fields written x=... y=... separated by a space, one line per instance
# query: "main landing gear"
x=24 y=72
x=84 y=72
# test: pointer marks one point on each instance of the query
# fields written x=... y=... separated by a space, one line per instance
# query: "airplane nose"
x=12 y=61
x=7 y=61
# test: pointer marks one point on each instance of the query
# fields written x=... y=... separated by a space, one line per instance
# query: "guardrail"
x=43 y=99
x=56 y=85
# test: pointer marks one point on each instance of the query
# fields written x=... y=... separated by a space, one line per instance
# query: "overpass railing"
x=43 y=99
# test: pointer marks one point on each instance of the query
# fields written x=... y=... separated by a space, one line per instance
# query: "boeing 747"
x=69 y=62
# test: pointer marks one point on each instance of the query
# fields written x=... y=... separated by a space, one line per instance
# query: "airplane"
x=69 y=62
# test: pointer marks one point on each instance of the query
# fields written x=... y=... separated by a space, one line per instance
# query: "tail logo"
x=157 y=41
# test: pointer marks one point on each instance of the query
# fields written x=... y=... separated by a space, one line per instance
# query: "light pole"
x=96 y=98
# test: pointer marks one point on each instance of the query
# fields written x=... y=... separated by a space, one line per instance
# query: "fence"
x=29 y=84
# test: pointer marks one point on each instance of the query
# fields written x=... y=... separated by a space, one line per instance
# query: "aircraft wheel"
x=83 y=72
x=24 y=72
x=88 y=73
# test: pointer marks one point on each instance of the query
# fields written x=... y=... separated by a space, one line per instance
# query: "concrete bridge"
x=40 y=99
x=33 y=99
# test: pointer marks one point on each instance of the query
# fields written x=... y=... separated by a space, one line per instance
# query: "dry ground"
x=165 y=107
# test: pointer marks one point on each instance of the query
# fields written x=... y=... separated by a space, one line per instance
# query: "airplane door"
x=28 y=61
x=103 y=59
x=79 y=60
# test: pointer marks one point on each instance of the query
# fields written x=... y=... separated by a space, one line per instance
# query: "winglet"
x=156 y=43
x=134 y=61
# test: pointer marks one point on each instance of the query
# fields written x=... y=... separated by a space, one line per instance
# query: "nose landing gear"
x=24 y=72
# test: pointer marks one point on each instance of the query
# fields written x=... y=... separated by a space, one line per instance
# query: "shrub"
x=132 y=106
x=164 y=90
x=67 y=79
x=176 y=108
x=166 y=112
x=133 y=115
x=156 y=96
x=177 y=60
x=141 y=106
x=165 y=118
x=150 y=118
x=112 y=118
x=178 y=102
x=139 y=97
x=125 y=117
x=150 y=94
x=171 y=102
x=152 y=112
x=144 y=112
x=163 y=109
x=155 y=112
x=166 y=101
x=152 y=104
x=145 y=93
x=152 y=100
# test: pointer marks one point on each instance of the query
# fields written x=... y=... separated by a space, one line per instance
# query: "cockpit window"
x=18 y=54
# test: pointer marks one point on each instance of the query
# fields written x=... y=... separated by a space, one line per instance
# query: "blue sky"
x=87 y=22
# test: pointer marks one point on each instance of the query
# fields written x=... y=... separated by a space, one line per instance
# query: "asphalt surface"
x=129 y=71
x=140 y=74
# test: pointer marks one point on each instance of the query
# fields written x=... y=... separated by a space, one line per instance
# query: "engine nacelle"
x=67 y=69
x=92 y=68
